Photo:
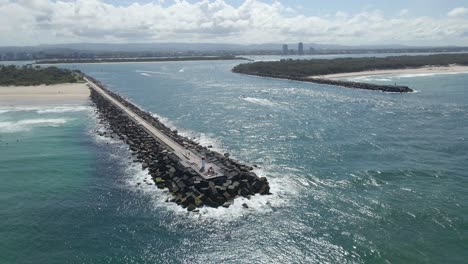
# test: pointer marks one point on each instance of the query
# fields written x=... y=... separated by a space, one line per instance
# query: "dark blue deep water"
x=358 y=176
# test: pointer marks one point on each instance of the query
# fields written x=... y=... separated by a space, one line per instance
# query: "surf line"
x=195 y=175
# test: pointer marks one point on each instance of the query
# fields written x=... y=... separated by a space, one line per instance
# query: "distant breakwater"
x=187 y=187
x=347 y=84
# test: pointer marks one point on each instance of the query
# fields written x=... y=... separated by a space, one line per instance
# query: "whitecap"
x=17 y=109
x=412 y=75
x=259 y=101
x=304 y=181
x=411 y=214
x=28 y=124
x=164 y=120
x=369 y=79
x=63 y=109
x=45 y=109
x=151 y=72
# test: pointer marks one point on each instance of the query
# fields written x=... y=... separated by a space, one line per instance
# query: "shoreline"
x=44 y=94
x=140 y=60
x=337 y=82
x=452 y=69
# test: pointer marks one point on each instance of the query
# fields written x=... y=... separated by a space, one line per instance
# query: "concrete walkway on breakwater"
x=187 y=157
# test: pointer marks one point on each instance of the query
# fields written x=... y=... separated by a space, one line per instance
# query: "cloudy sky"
x=411 y=22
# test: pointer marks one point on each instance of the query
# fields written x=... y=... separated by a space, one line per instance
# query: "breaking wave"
x=412 y=75
x=370 y=79
x=45 y=109
x=63 y=109
x=140 y=181
x=28 y=124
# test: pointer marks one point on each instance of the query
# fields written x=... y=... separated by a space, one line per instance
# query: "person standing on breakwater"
x=202 y=169
x=210 y=171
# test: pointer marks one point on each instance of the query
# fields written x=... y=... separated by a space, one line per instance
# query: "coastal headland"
x=173 y=161
x=327 y=71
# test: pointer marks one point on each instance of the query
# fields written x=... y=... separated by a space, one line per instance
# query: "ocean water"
x=357 y=176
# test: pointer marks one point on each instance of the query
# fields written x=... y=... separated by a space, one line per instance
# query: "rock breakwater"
x=187 y=186
x=347 y=84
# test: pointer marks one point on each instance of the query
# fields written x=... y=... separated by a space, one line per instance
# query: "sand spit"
x=421 y=70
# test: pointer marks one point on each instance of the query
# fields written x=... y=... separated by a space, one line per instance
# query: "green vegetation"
x=28 y=75
x=140 y=59
x=304 y=68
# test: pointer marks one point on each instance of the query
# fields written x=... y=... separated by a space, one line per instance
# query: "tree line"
x=105 y=60
x=303 y=68
x=29 y=75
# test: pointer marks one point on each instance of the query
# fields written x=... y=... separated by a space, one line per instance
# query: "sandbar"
x=420 y=70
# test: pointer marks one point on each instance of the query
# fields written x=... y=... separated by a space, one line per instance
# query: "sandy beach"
x=422 y=70
x=59 y=93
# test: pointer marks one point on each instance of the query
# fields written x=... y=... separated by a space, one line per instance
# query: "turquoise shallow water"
x=357 y=176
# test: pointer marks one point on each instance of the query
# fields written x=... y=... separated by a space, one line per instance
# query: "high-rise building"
x=285 y=49
x=300 y=49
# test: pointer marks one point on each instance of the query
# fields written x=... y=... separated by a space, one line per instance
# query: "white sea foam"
x=165 y=121
x=182 y=70
x=411 y=75
x=282 y=185
x=411 y=214
x=201 y=138
x=390 y=77
x=145 y=74
x=372 y=181
x=334 y=97
x=257 y=204
x=260 y=101
x=64 y=109
x=151 y=72
x=370 y=79
x=45 y=109
x=9 y=109
x=205 y=140
x=28 y=124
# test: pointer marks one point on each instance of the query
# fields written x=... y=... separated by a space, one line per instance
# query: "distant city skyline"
x=358 y=22
x=300 y=48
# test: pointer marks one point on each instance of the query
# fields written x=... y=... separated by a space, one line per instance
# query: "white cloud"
x=403 y=12
x=459 y=11
x=28 y=22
